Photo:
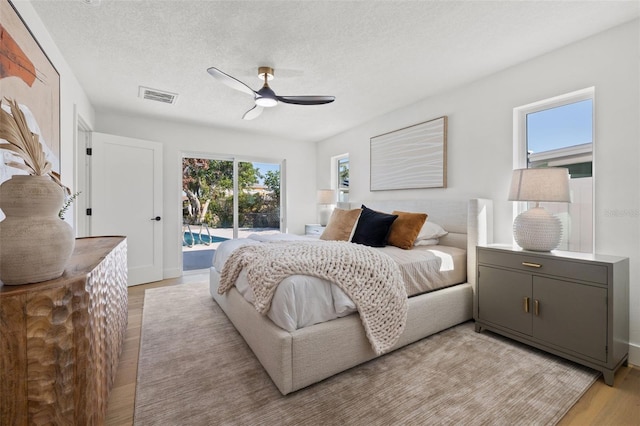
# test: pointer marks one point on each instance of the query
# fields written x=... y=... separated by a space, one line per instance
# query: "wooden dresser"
x=60 y=340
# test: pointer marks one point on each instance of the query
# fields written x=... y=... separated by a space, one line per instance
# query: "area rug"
x=195 y=369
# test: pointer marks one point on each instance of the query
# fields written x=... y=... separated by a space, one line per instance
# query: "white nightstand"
x=313 y=230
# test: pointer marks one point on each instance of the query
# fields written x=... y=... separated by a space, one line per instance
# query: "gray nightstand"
x=574 y=305
x=314 y=230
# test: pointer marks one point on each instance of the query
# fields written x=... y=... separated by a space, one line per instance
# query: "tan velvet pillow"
x=341 y=225
x=405 y=229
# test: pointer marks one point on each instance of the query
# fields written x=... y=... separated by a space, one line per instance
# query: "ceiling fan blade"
x=230 y=81
x=252 y=113
x=306 y=100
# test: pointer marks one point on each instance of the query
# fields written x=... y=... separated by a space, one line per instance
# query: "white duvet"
x=301 y=301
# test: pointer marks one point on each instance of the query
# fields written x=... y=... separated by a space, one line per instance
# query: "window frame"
x=520 y=154
x=335 y=177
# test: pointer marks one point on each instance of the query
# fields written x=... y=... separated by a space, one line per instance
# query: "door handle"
x=157 y=218
x=525 y=304
x=536 y=307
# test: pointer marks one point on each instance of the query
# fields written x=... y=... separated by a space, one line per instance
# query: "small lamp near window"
x=537 y=229
x=326 y=202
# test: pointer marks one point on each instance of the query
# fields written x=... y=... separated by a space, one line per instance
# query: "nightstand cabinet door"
x=502 y=296
x=571 y=316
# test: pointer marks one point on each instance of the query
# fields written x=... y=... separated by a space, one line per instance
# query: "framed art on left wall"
x=28 y=76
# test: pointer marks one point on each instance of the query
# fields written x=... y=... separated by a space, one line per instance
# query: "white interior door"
x=126 y=199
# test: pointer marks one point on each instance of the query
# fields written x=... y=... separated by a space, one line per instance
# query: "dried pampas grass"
x=24 y=143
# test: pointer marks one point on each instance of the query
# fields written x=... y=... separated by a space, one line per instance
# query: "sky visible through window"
x=264 y=168
x=560 y=127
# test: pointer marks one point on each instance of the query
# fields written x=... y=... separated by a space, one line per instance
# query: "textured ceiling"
x=374 y=56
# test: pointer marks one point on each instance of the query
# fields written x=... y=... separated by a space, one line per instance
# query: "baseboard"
x=634 y=354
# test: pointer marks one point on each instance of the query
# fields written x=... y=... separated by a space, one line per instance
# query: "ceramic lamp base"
x=324 y=213
x=537 y=230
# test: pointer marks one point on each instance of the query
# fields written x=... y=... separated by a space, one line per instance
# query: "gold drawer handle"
x=533 y=265
x=525 y=304
x=536 y=307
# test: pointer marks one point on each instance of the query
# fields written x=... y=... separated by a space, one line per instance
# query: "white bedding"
x=423 y=268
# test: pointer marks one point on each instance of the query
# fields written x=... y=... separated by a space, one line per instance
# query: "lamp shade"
x=545 y=184
x=326 y=196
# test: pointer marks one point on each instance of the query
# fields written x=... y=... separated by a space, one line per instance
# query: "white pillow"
x=429 y=242
x=430 y=231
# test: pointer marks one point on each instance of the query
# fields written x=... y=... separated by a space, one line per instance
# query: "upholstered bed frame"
x=297 y=359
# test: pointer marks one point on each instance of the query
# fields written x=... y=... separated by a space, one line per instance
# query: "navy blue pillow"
x=373 y=228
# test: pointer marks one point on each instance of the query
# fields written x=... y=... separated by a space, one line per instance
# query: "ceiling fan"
x=265 y=97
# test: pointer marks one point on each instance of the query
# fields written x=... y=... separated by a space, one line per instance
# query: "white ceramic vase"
x=35 y=244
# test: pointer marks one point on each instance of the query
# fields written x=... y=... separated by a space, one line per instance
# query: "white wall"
x=180 y=138
x=480 y=141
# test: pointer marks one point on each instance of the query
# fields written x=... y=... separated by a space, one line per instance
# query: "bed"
x=298 y=358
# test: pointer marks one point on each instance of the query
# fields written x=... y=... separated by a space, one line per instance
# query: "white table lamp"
x=537 y=229
x=326 y=201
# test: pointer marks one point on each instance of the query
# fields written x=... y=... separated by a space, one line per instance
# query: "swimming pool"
x=189 y=239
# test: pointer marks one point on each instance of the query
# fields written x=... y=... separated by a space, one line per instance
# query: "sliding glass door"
x=258 y=198
x=226 y=198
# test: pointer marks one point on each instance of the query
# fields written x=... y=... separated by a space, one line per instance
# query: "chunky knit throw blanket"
x=370 y=278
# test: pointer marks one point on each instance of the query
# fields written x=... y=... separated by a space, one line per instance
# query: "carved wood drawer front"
x=574 y=270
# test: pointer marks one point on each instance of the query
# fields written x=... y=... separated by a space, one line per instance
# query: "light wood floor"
x=601 y=405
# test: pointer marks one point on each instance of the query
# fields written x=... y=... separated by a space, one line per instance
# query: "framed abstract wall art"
x=410 y=158
x=28 y=76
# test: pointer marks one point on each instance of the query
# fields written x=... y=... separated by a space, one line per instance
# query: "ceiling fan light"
x=266 y=102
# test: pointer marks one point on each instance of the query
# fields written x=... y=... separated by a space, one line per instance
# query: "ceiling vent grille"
x=157 y=95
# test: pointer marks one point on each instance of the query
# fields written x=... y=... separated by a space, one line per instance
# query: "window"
x=341 y=171
x=558 y=132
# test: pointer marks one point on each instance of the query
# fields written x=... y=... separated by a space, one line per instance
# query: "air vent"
x=157 y=95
